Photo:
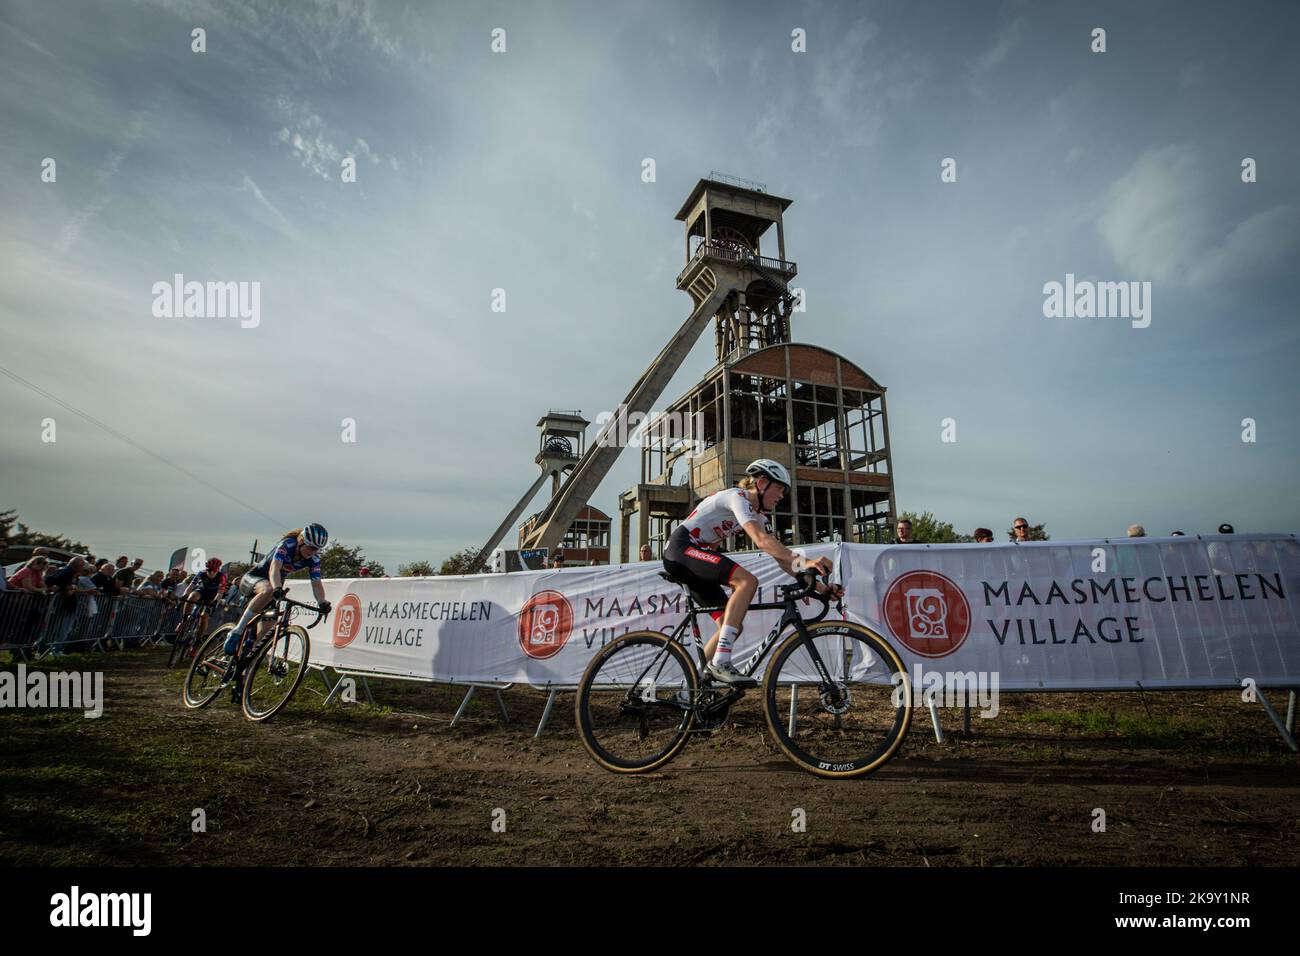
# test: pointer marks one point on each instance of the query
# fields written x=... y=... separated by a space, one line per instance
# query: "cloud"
x=838 y=78
x=1163 y=221
x=1265 y=244
x=314 y=145
x=1006 y=41
x=321 y=26
x=855 y=87
x=76 y=225
x=28 y=40
x=282 y=222
x=83 y=217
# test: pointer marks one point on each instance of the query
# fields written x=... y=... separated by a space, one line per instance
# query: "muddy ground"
x=1183 y=778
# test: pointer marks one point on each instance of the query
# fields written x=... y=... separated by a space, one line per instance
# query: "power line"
x=135 y=444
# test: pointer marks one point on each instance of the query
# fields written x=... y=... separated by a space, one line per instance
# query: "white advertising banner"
x=1202 y=611
x=536 y=627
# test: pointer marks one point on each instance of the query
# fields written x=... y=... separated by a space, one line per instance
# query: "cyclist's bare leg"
x=260 y=599
x=743 y=588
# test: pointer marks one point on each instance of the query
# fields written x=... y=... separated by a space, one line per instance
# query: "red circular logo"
x=928 y=613
x=545 y=623
x=347 y=620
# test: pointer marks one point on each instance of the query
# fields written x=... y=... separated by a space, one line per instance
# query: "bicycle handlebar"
x=320 y=614
x=808 y=589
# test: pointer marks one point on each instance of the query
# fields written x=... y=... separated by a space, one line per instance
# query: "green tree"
x=927 y=529
x=459 y=563
x=1036 y=532
x=18 y=533
x=416 y=569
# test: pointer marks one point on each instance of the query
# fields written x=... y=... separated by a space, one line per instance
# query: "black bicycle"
x=832 y=695
x=186 y=637
x=268 y=669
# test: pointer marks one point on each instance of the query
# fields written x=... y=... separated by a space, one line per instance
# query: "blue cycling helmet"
x=315 y=534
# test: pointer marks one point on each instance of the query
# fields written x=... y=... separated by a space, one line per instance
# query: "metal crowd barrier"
x=32 y=625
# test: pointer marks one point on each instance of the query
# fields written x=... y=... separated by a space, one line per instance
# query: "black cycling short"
x=703 y=571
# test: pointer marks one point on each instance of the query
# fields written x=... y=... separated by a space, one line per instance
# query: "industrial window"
x=817 y=437
x=821 y=513
x=758 y=408
x=871 y=519
x=586 y=534
x=864 y=432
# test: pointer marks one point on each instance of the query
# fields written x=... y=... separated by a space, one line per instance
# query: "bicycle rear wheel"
x=275 y=673
x=635 y=703
x=852 y=726
x=204 y=678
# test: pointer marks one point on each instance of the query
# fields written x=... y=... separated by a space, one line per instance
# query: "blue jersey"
x=287 y=554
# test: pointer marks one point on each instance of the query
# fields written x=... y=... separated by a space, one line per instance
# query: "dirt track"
x=1183 y=779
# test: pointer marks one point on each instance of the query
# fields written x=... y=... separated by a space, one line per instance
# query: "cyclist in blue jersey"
x=265 y=581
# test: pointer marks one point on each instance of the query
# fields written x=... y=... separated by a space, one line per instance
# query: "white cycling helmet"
x=772 y=470
x=315 y=534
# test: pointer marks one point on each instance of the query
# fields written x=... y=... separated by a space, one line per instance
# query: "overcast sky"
x=522 y=170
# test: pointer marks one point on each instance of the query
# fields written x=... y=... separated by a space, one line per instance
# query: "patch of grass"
x=116 y=789
x=1136 y=727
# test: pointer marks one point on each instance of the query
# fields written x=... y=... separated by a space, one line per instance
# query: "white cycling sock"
x=243 y=620
x=726 y=637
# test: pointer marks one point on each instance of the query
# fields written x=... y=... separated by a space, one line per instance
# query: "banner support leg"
x=1290 y=710
x=1277 y=721
x=934 y=719
x=505 y=717
x=463 y=704
x=546 y=713
x=366 y=687
x=794 y=705
x=338 y=686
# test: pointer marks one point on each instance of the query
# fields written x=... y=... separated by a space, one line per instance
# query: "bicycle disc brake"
x=835 y=699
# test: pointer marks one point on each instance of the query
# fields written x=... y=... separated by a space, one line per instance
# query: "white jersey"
x=720 y=515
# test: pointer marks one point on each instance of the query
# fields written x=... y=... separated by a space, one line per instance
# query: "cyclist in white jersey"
x=691 y=557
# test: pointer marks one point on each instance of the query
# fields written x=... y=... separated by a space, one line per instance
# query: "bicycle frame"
x=279 y=617
x=790 y=616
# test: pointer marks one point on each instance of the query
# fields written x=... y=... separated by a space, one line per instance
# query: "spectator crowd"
x=100 y=598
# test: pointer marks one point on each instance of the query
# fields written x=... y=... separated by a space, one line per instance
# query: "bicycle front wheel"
x=204 y=678
x=275 y=673
x=854 y=724
x=635 y=703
